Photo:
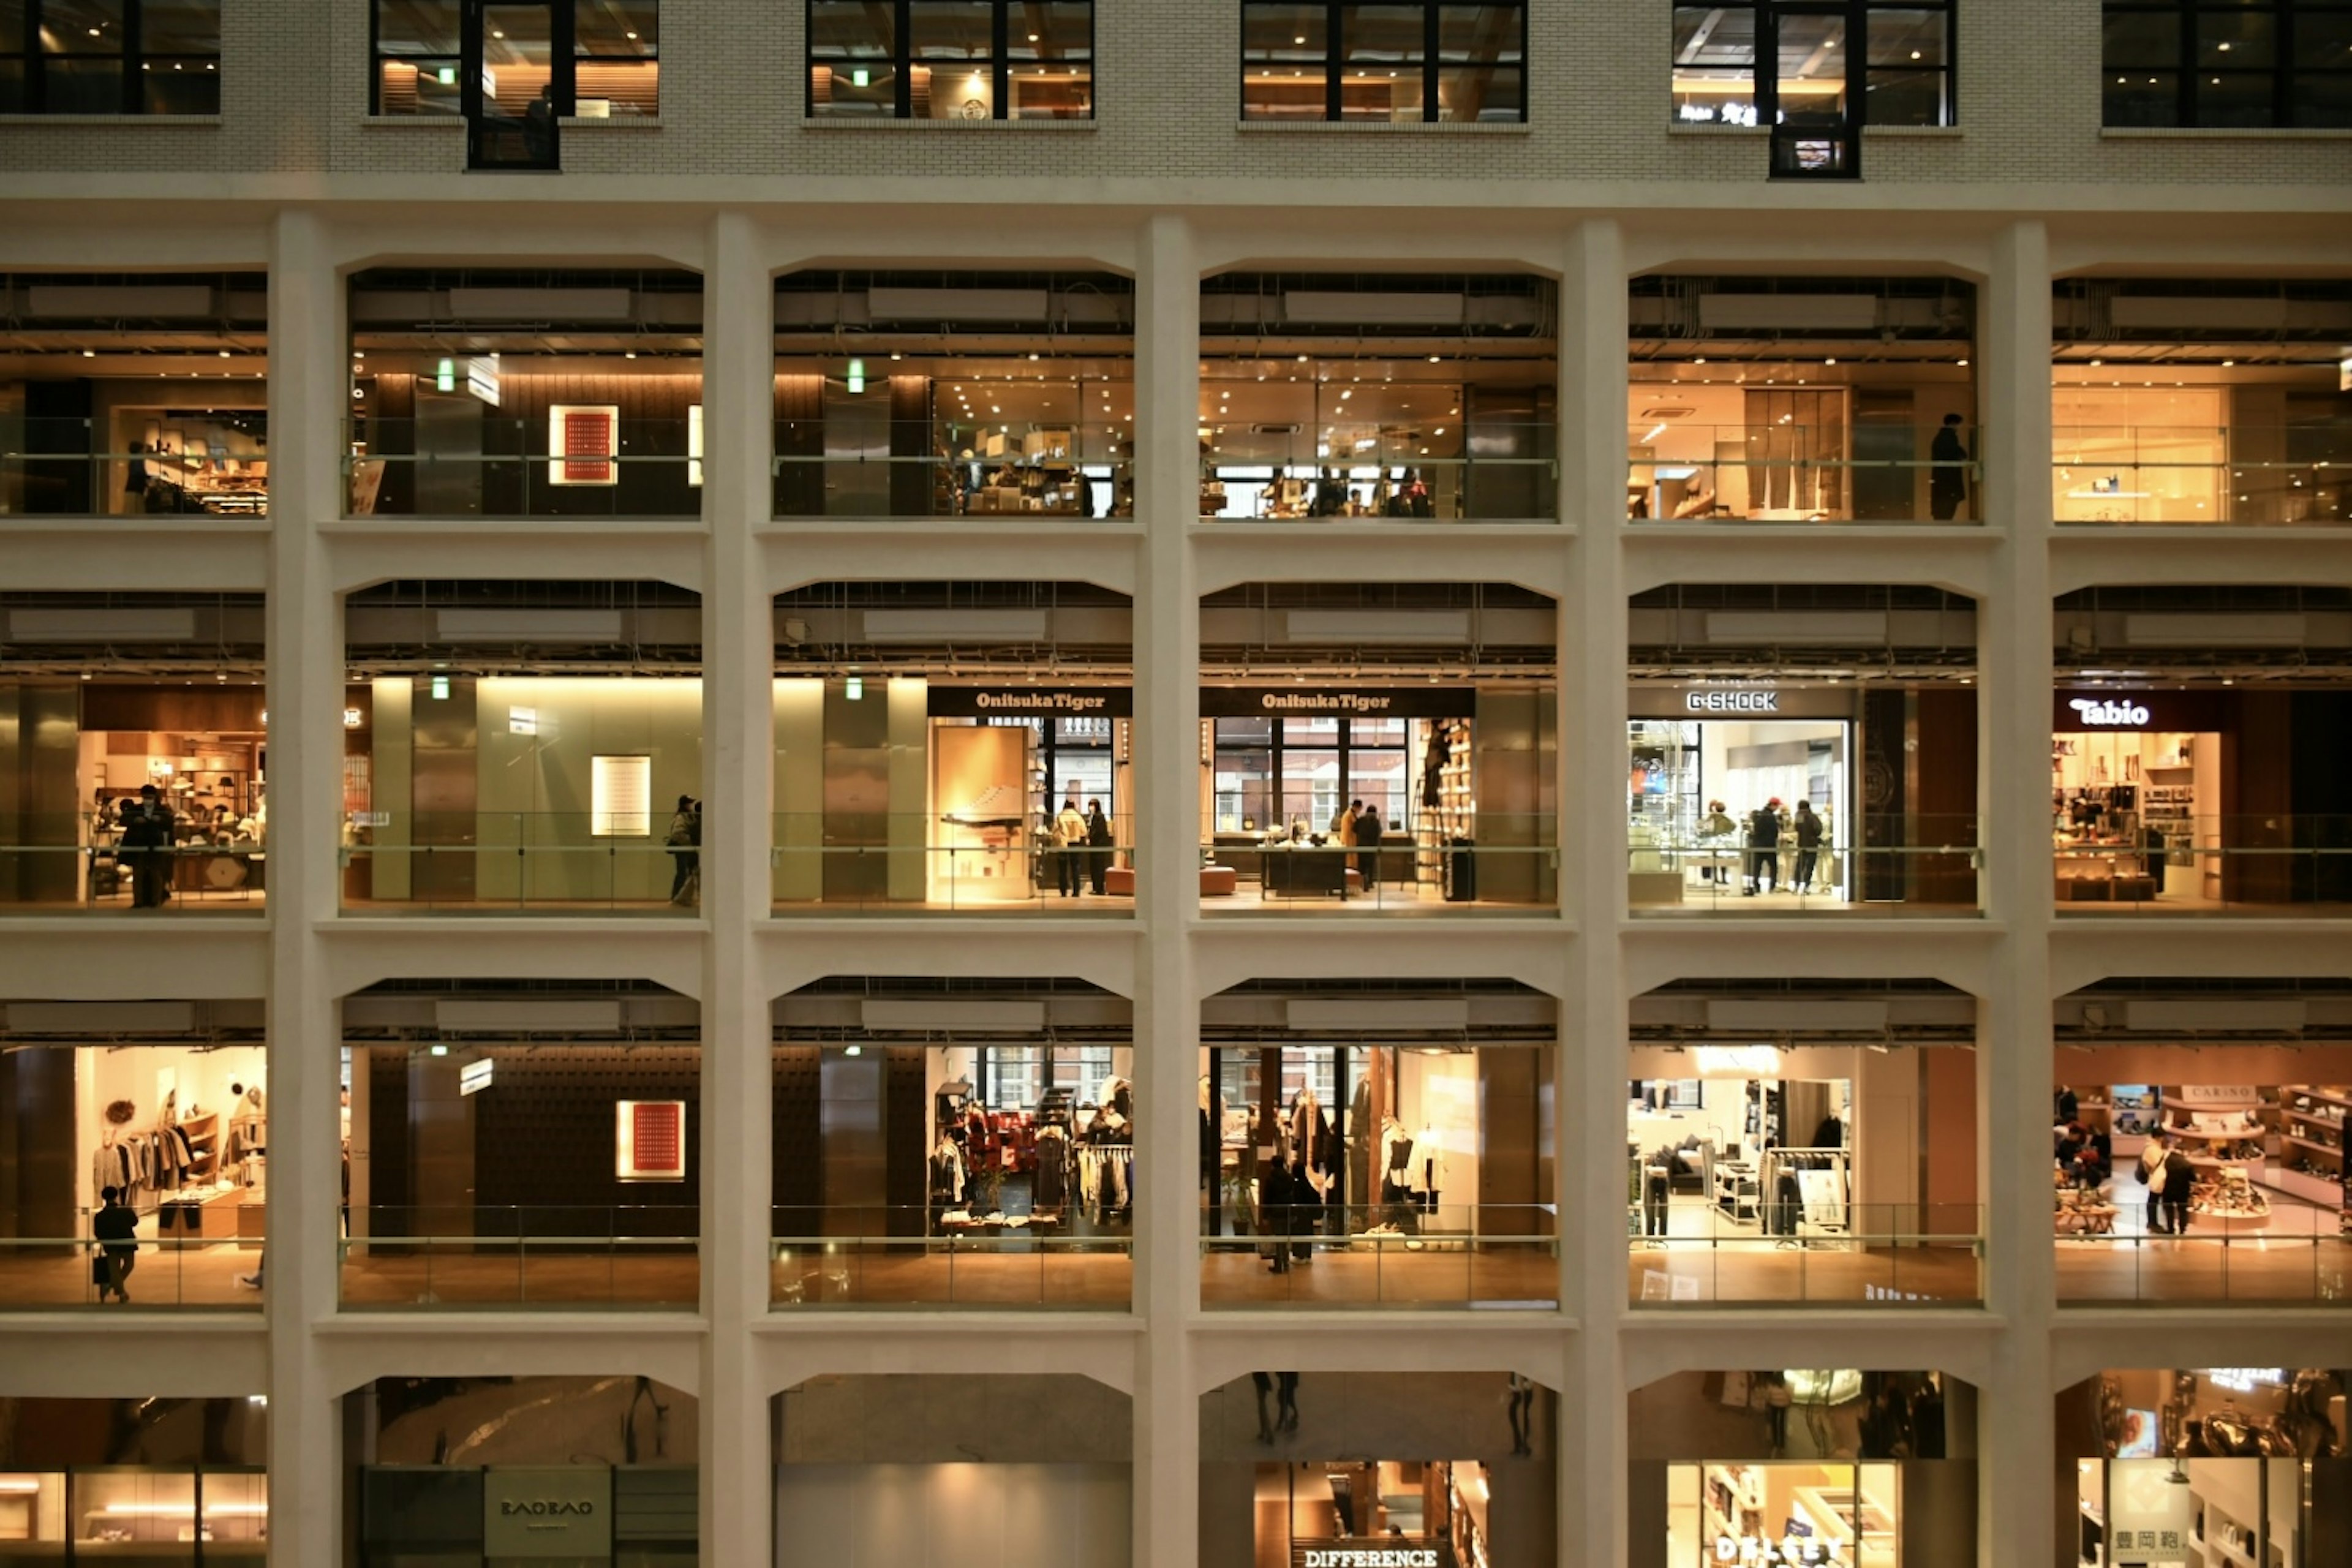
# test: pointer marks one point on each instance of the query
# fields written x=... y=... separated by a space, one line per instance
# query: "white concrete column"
x=309 y=393
x=1167 y=819
x=1592 y=890
x=2017 y=1493
x=738 y=656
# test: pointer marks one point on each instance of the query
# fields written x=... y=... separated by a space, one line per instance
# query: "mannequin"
x=946 y=1177
x=1315 y=1161
x=1396 y=1177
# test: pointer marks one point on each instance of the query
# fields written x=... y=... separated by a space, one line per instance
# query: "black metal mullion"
x=1768 y=64
x=1429 y=71
x=2184 y=66
x=1857 y=47
x=1000 y=42
x=902 y=60
x=133 y=45
x=2282 y=67
x=375 y=57
x=1332 y=50
x=563 y=45
x=37 y=64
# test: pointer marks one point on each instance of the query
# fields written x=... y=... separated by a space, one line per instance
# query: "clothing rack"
x=1105 y=1179
x=1798 y=1202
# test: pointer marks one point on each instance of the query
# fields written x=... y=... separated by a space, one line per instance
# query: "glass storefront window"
x=111 y=57
x=1905 y=65
x=959 y=59
x=1383 y=62
x=598 y=59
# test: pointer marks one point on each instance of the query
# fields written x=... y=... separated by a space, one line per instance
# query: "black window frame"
x=1433 y=63
x=31 y=61
x=1768 y=14
x=2189 y=74
x=563 y=51
x=902 y=60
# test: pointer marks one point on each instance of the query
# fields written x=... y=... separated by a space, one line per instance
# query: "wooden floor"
x=203 y=1277
x=1387 y=1274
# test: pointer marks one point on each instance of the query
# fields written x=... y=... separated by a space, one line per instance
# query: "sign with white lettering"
x=547 y=1511
x=2163 y=712
x=1763 y=1549
x=1732 y=700
x=476 y=1075
x=1020 y=702
x=1736 y=700
x=2110 y=715
x=1368 y=1551
x=1337 y=702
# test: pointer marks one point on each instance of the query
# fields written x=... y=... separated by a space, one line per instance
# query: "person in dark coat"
x=2179 y=1182
x=1098 y=845
x=684 y=840
x=148 y=826
x=1368 y=845
x=116 y=1226
x=1948 y=480
x=1809 y=845
x=1764 y=848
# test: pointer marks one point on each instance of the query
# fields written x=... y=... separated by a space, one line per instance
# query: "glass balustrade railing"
x=502 y=862
x=2289 y=1253
x=2246 y=476
x=968 y=861
x=78 y=863
x=1791 y=473
x=574 y=462
x=1502 y=473
x=189 y=1265
x=2211 y=865
x=1506 y=864
x=1806 y=1254
x=965 y=1258
x=1036 y=468
x=468 y=1257
x=1384 y=1255
x=1934 y=874
x=73 y=468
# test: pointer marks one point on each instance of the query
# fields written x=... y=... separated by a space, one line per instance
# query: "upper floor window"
x=597 y=60
x=2250 y=63
x=110 y=56
x=951 y=60
x=1397 y=62
x=1849 y=62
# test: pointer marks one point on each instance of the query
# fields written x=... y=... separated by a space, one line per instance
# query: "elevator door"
x=849 y=1136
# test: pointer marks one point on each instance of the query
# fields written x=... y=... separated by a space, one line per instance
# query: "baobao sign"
x=547 y=1511
x=1382 y=1552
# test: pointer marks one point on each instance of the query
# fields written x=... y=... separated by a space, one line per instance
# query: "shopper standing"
x=1716 y=830
x=147 y=829
x=2152 y=1159
x=1809 y=845
x=1948 y=479
x=1776 y=1410
x=1367 y=847
x=683 y=839
x=1098 y=845
x=1070 y=830
x=2179 y=1182
x=116 y=1226
x=1764 y=848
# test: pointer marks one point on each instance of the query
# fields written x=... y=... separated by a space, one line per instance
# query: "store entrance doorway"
x=1741 y=808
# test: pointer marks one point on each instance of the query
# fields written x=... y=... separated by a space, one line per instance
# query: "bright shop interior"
x=174 y=1481
x=2185 y=400
x=1405 y=396
x=106 y=698
x=488 y=392
x=921 y=395
x=1801 y=400
x=1388 y=746
x=1804 y=1466
x=1443 y=1469
x=954 y=745
x=124 y=397
x=2207 y=1465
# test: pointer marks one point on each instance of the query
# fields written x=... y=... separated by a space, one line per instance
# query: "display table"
x=1306 y=872
x=1216 y=881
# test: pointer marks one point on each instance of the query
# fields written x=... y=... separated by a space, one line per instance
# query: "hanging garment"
x=946 y=1174
x=1051 y=1191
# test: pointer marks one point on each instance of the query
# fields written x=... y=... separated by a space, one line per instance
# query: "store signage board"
x=2077 y=712
x=1789 y=1549
x=582 y=441
x=1337 y=702
x=476 y=1075
x=1369 y=1552
x=1735 y=701
x=547 y=1511
x=1737 y=1061
x=1030 y=702
x=649 y=1140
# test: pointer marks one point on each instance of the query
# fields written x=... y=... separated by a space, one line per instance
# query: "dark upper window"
x=2250 y=63
x=597 y=58
x=110 y=56
x=951 y=60
x=1847 y=62
x=1396 y=62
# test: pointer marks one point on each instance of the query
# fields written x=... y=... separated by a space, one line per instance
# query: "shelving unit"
x=1737 y=1192
x=2207 y=1147
x=1731 y=1502
x=1456 y=816
x=2124 y=1112
x=2313 y=1119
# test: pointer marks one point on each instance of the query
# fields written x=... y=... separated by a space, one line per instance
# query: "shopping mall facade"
x=1360 y=692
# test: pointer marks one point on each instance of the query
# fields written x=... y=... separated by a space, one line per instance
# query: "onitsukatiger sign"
x=2110 y=715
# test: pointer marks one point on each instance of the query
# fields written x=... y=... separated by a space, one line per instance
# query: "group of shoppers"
x=2172 y=1180
x=1356 y=826
x=1761 y=832
x=1079 y=843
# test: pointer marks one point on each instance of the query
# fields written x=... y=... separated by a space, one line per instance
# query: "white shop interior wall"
x=141 y=1074
x=974 y=1516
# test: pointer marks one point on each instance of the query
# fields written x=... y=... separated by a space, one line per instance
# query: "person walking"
x=148 y=827
x=1522 y=1401
x=684 y=840
x=1947 y=478
x=1776 y=1410
x=1764 y=849
x=1285 y=1401
x=2179 y=1182
x=2152 y=1158
x=116 y=1226
x=1070 y=830
x=1367 y=847
x=1809 y=845
x=1099 y=845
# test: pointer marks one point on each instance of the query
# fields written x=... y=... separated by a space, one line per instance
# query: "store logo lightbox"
x=1742 y=701
x=2124 y=715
